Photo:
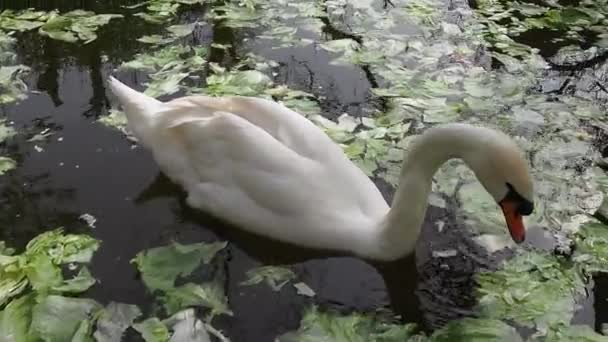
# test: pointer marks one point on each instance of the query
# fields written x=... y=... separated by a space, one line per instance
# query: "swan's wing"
x=249 y=148
x=288 y=127
x=232 y=158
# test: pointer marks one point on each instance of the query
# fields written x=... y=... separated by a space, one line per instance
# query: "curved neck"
x=399 y=229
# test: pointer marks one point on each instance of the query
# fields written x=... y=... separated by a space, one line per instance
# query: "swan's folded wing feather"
x=286 y=126
x=240 y=160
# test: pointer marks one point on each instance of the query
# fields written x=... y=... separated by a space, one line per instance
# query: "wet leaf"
x=181 y=30
x=592 y=247
x=165 y=84
x=42 y=273
x=6 y=164
x=304 y=290
x=187 y=327
x=582 y=333
x=152 y=330
x=532 y=289
x=209 y=295
x=15 y=319
x=327 y=326
x=114 y=320
x=6 y=132
x=476 y=329
x=62 y=248
x=80 y=283
x=244 y=83
x=275 y=276
x=57 y=318
x=160 y=266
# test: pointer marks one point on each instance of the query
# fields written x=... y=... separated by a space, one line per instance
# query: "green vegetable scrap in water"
x=175 y=32
x=476 y=330
x=592 y=247
x=73 y=26
x=275 y=276
x=326 y=326
x=170 y=66
x=501 y=22
x=532 y=289
x=162 y=11
x=15 y=319
x=160 y=266
x=209 y=295
x=40 y=264
x=57 y=318
x=12 y=87
x=152 y=330
x=582 y=333
x=6 y=164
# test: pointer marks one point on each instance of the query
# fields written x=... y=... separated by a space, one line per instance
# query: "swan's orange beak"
x=515 y=221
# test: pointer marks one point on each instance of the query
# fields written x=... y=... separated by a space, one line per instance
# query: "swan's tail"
x=137 y=106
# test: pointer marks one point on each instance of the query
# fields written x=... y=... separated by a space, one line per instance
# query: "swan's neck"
x=399 y=229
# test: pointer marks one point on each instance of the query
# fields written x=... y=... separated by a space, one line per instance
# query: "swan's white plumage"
x=269 y=170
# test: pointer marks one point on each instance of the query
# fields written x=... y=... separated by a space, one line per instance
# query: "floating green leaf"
x=275 y=276
x=592 y=247
x=160 y=266
x=209 y=295
x=62 y=248
x=57 y=318
x=80 y=283
x=42 y=273
x=582 y=333
x=152 y=330
x=327 y=326
x=6 y=132
x=13 y=279
x=476 y=330
x=6 y=164
x=15 y=319
x=534 y=288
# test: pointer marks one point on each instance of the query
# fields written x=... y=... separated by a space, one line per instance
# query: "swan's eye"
x=524 y=206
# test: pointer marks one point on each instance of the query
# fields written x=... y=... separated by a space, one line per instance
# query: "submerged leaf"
x=114 y=320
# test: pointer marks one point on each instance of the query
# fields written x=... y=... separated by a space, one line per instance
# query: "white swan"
x=269 y=170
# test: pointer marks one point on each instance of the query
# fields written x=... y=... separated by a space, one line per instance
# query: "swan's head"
x=502 y=169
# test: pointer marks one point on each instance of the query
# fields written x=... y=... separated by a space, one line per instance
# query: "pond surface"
x=86 y=167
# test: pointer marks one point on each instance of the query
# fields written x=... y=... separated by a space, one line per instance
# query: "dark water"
x=88 y=168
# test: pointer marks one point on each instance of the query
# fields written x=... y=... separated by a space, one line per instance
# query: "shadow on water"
x=87 y=168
